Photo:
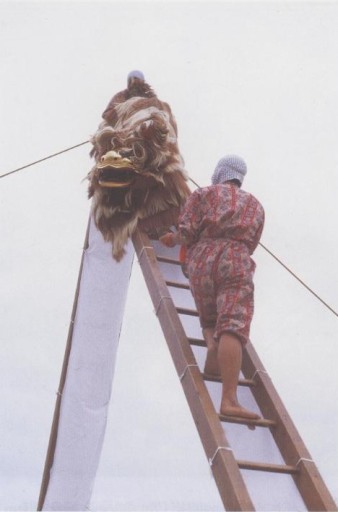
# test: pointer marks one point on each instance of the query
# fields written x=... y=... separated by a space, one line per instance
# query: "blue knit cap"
x=135 y=74
x=231 y=167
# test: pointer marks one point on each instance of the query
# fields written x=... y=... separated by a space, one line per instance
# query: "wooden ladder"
x=227 y=470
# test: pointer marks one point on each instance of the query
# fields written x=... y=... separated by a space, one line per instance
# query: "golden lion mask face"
x=116 y=171
x=139 y=172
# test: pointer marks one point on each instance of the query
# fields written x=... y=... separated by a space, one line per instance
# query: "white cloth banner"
x=85 y=399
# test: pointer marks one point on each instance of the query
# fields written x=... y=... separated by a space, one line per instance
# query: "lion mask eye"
x=126 y=153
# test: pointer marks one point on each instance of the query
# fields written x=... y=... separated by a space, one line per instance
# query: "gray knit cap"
x=230 y=167
x=135 y=74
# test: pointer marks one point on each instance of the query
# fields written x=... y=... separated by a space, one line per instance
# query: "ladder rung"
x=164 y=259
x=186 y=311
x=197 y=342
x=262 y=466
x=242 y=382
x=243 y=421
x=175 y=284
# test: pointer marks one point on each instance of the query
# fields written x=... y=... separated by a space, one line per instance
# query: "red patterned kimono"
x=222 y=225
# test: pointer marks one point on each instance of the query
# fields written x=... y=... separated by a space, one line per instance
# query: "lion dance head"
x=139 y=176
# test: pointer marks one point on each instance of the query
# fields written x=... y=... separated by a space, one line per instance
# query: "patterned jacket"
x=223 y=212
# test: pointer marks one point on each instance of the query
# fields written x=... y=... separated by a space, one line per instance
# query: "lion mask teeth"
x=114 y=159
x=116 y=171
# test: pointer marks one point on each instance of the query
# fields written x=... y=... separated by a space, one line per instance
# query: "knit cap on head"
x=231 y=167
x=135 y=74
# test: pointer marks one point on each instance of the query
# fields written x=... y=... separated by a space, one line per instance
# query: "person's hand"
x=168 y=239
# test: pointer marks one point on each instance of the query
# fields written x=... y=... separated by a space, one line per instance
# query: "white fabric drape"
x=87 y=390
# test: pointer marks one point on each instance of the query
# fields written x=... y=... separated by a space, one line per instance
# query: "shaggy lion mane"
x=145 y=134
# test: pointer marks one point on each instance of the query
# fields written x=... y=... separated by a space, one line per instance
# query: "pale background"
x=259 y=79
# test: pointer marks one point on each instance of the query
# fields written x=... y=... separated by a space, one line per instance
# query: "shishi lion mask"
x=139 y=176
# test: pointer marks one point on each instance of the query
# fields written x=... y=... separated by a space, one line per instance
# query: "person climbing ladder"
x=221 y=226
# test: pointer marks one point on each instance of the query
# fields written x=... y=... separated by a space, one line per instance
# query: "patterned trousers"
x=221 y=279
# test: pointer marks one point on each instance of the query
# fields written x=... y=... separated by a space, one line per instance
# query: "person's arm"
x=258 y=234
x=188 y=223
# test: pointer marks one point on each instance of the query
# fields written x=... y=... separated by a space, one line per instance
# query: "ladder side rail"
x=225 y=469
x=308 y=480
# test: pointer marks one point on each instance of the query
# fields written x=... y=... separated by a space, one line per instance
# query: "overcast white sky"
x=259 y=79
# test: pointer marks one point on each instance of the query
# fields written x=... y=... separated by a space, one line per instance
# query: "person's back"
x=136 y=86
x=223 y=212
